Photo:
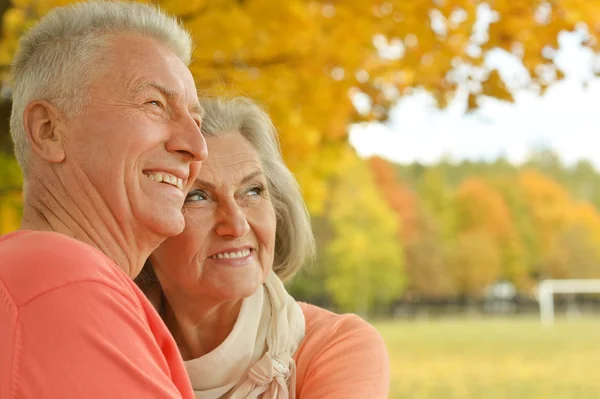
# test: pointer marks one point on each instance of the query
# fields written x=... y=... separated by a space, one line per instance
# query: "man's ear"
x=43 y=124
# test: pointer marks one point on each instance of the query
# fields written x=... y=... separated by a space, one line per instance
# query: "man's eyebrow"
x=170 y=93
x=151 y=84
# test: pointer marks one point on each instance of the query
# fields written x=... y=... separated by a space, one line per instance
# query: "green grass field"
x=493 y=359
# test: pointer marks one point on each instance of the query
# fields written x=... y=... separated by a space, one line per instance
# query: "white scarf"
x=255 y=360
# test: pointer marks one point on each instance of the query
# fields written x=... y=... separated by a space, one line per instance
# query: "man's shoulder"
x=35 y=262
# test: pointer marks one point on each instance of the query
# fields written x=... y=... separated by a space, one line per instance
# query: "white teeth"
x=166 y=178
x=232 y=255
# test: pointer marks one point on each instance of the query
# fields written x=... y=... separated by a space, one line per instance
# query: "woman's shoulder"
x=341 y=356
x=321 y=322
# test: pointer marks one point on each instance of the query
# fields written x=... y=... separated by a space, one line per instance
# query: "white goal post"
x=547 y=289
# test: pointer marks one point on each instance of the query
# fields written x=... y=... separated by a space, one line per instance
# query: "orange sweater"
x=73 y=325
x=341 y=357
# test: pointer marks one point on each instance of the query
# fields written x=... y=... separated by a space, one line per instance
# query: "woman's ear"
x=43 y=124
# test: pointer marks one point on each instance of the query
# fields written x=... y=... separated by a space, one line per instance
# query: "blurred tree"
x=549 y=205
x=309 y=284
x=10 y=212
x=10 y=194
x=530 y=216
x=399 y=197
x=586 y=219
x=437 y=198
x=481 y=208
x=5 y=58
x=475 y=262
x=584 y=182
x=426 y=270
x=586 y=215
x=524 y=247
x=427 y=261
x=573 y=256
x=363 y=261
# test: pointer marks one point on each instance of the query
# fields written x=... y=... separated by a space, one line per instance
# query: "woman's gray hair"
x=294 y=241
x=61 y=56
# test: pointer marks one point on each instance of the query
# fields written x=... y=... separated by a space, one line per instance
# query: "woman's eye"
x=155 y=103
x=195 y=195
x=255 y=191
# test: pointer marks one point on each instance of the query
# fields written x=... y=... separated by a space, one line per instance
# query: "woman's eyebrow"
x=246 y=179
x=252 y=176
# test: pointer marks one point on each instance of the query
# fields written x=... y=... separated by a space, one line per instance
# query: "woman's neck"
x=199 y=326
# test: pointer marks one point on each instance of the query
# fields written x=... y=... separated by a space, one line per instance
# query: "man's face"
x=137 y=145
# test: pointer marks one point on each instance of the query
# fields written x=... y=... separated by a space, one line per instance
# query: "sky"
x=566 y=119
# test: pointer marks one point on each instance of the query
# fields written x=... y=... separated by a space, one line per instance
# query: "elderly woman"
x=219 y=283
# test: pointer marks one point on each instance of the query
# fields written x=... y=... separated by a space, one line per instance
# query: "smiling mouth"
x=231 y=255
x=166 y=178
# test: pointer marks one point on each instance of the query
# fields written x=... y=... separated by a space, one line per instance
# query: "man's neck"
x=48 y=207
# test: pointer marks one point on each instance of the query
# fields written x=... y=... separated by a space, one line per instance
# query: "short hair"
x=59 y=58
x=294 y=240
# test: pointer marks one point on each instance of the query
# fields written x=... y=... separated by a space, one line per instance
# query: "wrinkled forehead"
x=231 y=159
x=135 y=61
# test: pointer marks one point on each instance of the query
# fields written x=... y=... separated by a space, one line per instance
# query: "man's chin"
x=167 y=224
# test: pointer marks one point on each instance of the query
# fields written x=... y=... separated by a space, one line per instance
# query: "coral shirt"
x=341 y=357
x=74 y=325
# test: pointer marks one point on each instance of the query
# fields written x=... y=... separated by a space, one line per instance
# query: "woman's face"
x=226 y=250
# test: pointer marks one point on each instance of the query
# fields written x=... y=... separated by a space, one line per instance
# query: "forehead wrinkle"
x=237 y=172
x=167 y=92
x=234 y=161
x=194 y=108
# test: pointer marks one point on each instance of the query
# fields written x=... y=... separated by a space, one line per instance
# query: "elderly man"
x=105 y=124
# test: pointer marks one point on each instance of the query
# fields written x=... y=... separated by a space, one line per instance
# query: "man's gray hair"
x=60 y=57
x=294 y=240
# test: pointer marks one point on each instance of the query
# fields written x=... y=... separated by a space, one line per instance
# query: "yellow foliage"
x=494 y=87
x=475 y=262
x=549 y=204
x=10 y=212
x=364 y=260
x=481 y=208
x=587 y=216
x=303 y=59
x=568 y=231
